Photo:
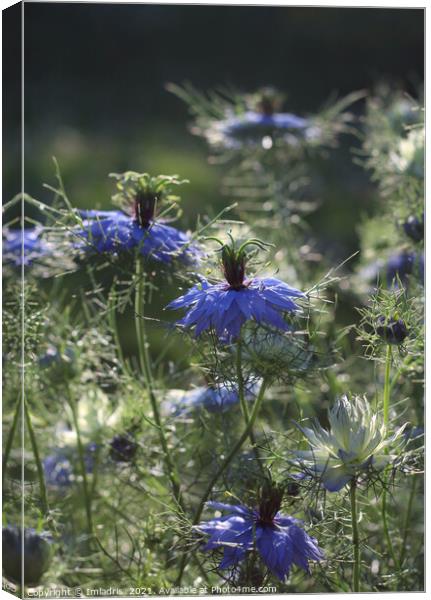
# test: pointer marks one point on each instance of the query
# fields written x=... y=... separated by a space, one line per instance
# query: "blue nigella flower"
x=113 y=231
x=280 y=539
x=402 y=265
x=59 y=468
x=37 y=554
x=24 y=246
x=225 y=309
x=259 y=124
x=213 y=399
x=225 y=306
x=252 y=125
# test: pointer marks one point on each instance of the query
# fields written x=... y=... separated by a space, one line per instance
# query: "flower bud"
x=414 y=228
x=392 y=331
x=37 y=554
x=123 y=448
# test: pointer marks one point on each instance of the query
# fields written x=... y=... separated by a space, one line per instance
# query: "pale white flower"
x=357 y=441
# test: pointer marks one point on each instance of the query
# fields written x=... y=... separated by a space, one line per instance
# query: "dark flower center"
x=266 y=106
x=233 y=267
x=270 y=503
x=144 y=208
x=392 y=331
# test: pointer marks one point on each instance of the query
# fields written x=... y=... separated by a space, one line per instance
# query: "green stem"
x=225 y=464
x=355 y=537
x=386 y=526
x=145 y=364
x=386 y=403
x=81 y=458
x=243 y=403
x=10 y=437
x=387 y=388
x=407 y=520
x=39 y=467
x=240 y=379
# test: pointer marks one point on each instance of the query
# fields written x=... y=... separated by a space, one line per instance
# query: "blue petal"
x=276 y=551
x=334 y=479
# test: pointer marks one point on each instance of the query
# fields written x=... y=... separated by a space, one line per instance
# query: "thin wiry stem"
x=81 y=458
x=355 y=537
x=386 y=403
x=225 y=464
x=11 y=435
x=39 y=467
x=243 y=401
x=145 y=364
x=387 y=388
x=407 y=520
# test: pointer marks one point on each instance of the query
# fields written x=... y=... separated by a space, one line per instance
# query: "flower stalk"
x=39 y=467
x=11 y=435
x=387 y=386
x=355 y=536
x=386 y=404
x=243 y=401
x=225 y=464
x=81 y=459
x=145 y=364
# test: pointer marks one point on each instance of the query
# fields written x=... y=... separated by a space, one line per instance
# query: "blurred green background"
x=95 y=97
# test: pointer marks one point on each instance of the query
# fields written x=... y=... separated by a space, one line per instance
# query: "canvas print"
x=213 y=300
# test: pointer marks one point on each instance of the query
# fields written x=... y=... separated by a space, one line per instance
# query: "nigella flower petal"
x=281 y=287
x=289 y=121
x=277 y=300
x=93 y=214
x=304 y=548
x=114 y=231
x=232 y=556
x=286 y=520
x=105 y=234
x=276 y=550
x=162 y=242
x=252 y=120
x=194 y=294
x=57 y=470
x=280 y=543
x=226 y=309
x=234 y=508
x=228 y=321
x=234 y=529
x=335 y=478
x=24 y=246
